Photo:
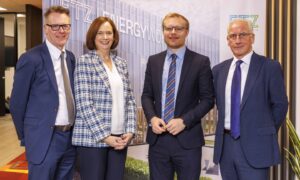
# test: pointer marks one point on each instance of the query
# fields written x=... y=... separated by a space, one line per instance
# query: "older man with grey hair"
x=252 y=105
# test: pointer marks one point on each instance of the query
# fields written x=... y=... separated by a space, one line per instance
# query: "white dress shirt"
x=244 y=72
x=117 y=91
x=62 y=112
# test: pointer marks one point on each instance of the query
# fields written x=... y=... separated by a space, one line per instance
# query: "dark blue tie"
x=236 y=101
x=170 y=91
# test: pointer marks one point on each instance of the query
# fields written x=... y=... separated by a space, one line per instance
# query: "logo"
x=252 y=18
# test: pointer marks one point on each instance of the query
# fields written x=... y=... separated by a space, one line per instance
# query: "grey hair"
x=249 y=24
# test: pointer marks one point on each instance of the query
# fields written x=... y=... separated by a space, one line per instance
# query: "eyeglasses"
x=56 y=27
x=175 y=28
x=107 y=33
x=242 y=35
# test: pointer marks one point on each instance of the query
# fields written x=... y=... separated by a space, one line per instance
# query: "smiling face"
x=57 y=38
x=105 y=37
x=175 y=31
x=240 y=38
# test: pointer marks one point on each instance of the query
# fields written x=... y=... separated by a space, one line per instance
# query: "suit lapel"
x=119 y=67
x=222 y=80
x=187 y=62
x=121 y=71
x=49 y=66
x=254 y=69
x=70 y=65
x=160 y=69
x=98 y=64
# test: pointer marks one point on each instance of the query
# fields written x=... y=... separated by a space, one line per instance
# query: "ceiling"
x=18 y=5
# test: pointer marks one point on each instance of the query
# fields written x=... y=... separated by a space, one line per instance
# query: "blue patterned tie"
x=236 y=101
x=170 y=91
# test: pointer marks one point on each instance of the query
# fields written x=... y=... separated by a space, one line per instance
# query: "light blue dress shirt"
x=179 y=61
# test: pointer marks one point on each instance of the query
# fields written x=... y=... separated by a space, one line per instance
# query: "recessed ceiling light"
x=2 y=9
x=21 y=15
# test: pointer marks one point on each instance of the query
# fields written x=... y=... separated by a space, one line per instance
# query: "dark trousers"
x=59 y=161
x=234 y=165
x=101 y=163
x=166 y=157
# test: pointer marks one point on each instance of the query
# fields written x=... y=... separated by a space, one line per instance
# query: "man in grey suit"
x=252 y=104
x=42 y=104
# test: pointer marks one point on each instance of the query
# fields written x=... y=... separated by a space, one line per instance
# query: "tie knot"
x=62 y=55
x=239 y=62
x=173 y=57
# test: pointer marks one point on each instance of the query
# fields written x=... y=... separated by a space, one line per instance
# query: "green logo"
x=252 y=18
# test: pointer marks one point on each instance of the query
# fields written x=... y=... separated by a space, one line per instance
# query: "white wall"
x=21 y=35
x=8 y=24
x=9 y=74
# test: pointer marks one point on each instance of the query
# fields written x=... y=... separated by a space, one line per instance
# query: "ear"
x=45 y=28
x=253 y=38
x=228 y=40
x=187 y=32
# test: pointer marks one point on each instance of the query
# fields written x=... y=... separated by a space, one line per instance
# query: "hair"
x=93 y=29
x=249 y=24
x=176 y=15
x=56 y=9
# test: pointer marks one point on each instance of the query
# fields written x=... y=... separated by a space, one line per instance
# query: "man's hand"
x=158 y=125
x=175 y=126
x=116 y=142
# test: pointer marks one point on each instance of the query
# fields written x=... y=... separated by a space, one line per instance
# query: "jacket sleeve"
x=148 y=94
x=206 y=96
x=23 y=78
x=277 y=95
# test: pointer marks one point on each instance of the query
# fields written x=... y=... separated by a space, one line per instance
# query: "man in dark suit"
x=178 y=92
x=252 y=104
x=42 y=104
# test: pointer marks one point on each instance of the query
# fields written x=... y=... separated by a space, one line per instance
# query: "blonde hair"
x=177 y=15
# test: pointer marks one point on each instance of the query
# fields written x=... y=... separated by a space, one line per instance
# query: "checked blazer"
x=94 y=100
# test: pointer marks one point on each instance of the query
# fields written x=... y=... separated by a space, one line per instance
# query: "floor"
x=9 y=143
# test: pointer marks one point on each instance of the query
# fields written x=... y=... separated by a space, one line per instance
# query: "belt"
x=63 y=128
x=117 y=135
x=227 y=131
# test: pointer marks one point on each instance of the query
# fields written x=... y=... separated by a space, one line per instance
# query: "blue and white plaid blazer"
x=94 y=100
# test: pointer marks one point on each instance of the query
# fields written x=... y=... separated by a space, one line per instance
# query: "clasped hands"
x=174 y=126
x=118 y=143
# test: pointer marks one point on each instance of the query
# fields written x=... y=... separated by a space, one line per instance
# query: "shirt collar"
x=180 y=53
x=246 y=59
x=54 y=51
